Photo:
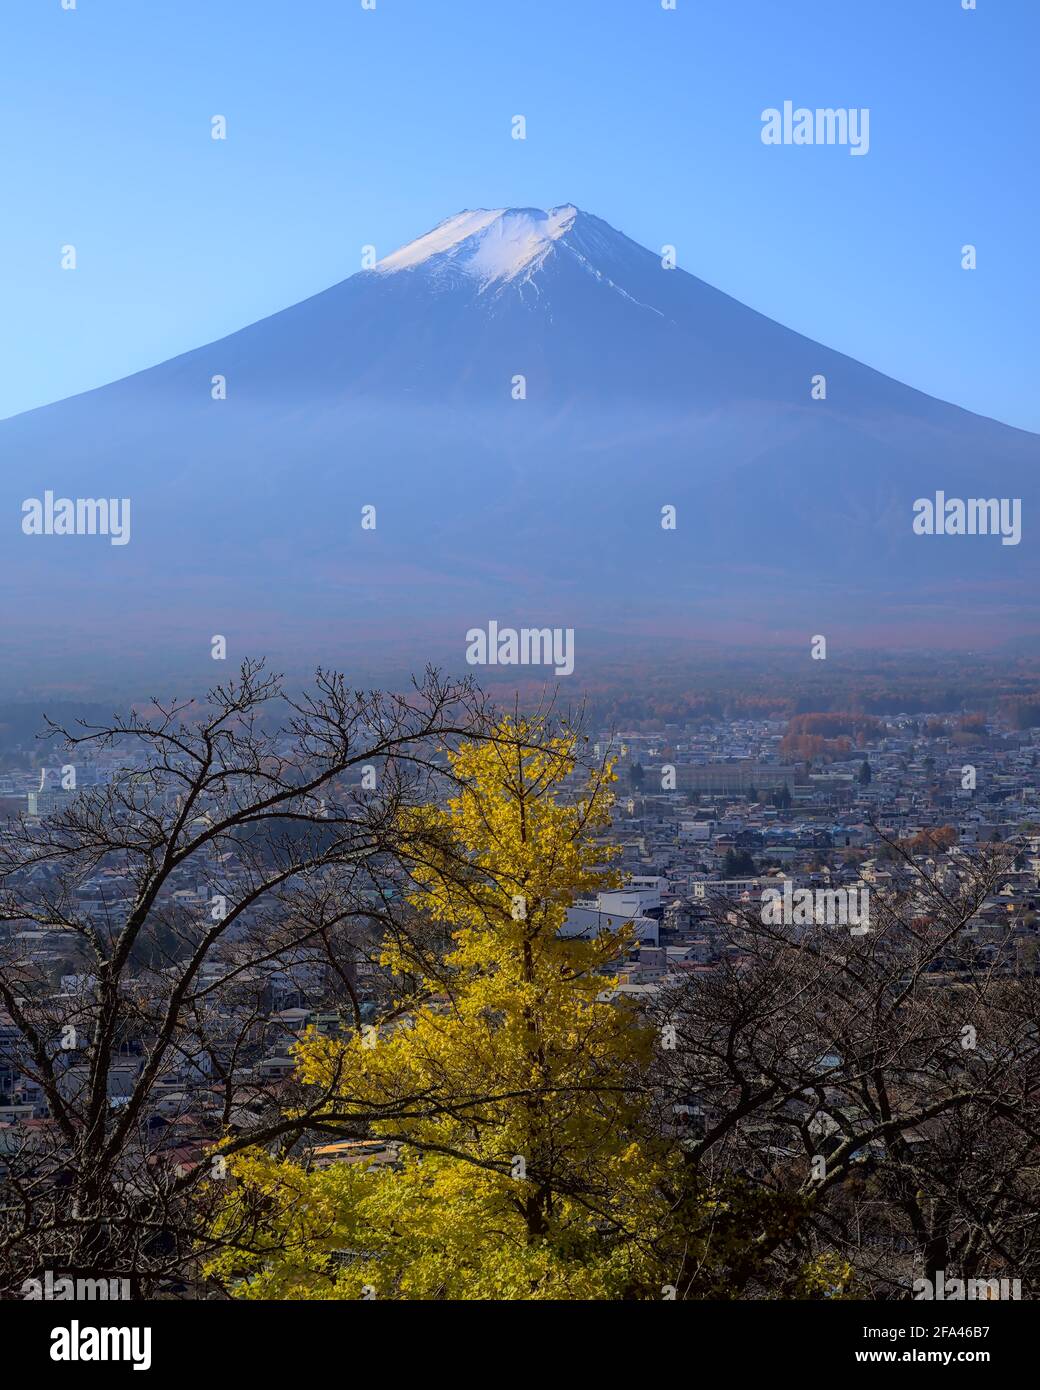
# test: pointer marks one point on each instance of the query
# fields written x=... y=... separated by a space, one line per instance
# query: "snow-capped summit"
x=490 y=246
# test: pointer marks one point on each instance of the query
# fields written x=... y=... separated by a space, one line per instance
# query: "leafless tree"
x=873 y=1097
x=243 y=856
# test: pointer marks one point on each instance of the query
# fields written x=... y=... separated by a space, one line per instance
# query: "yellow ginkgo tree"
x=513 y=1088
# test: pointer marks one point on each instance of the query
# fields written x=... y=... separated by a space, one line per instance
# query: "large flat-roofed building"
x=734 y=777
x=609 y=911
x=589 y=922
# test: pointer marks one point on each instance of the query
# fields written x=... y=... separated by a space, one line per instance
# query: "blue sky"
x=348 y=127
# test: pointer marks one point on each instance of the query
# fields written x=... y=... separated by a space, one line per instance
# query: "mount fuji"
x=518 y=393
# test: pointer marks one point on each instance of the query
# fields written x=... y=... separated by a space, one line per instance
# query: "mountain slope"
x=644 y=387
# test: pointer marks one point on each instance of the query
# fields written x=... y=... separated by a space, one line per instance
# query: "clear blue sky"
x=348 y=127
